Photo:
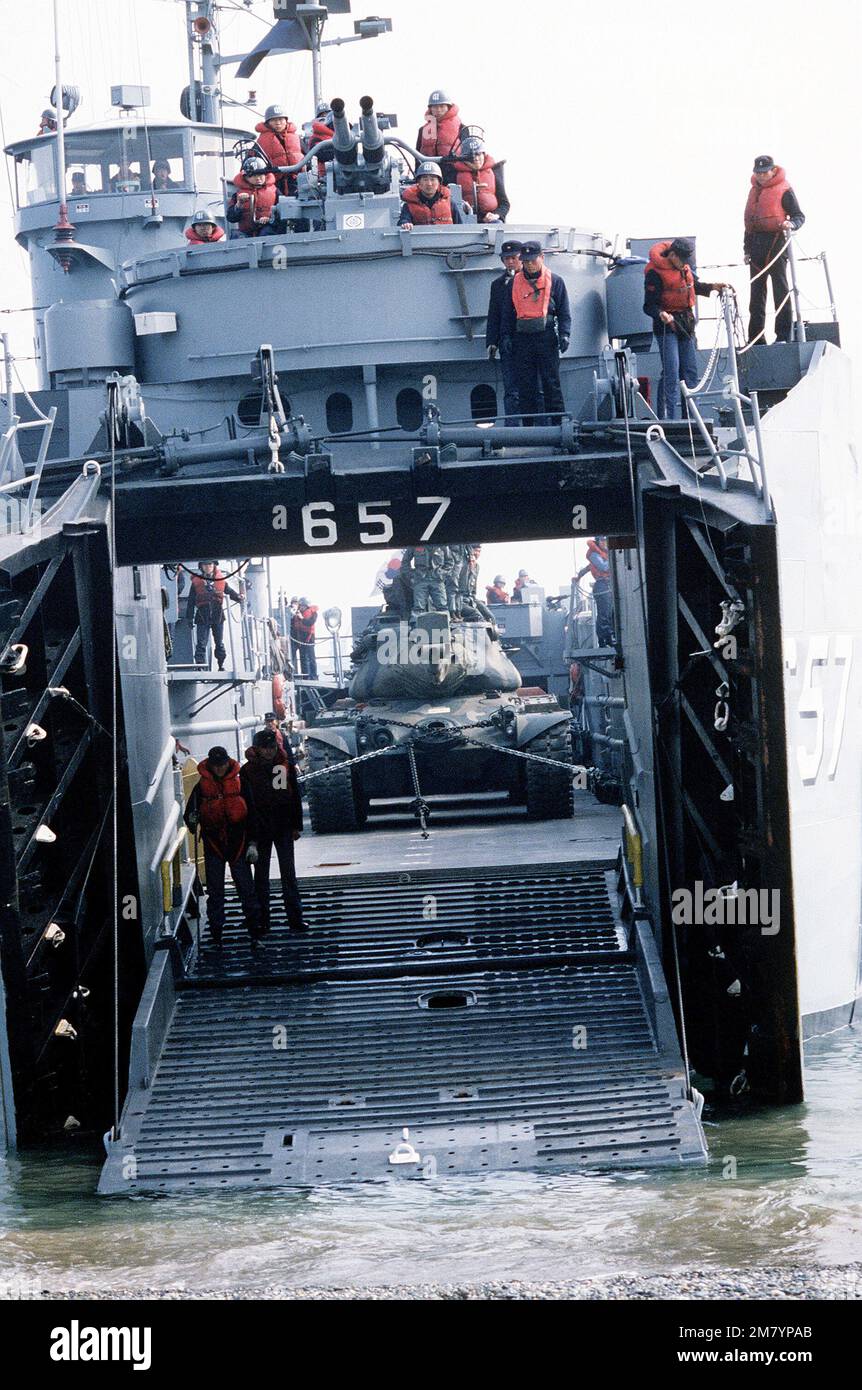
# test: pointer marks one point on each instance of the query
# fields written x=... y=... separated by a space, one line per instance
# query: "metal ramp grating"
x=311 y=1075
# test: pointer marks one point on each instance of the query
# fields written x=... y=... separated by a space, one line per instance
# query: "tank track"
x=549 y=793
x=333 y=805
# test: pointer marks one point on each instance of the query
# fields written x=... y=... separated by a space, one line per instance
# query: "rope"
x=115 y=884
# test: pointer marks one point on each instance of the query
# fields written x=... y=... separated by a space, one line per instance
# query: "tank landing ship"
x=438 y=709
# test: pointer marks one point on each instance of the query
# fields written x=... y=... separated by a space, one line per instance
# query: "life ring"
x=278 y=704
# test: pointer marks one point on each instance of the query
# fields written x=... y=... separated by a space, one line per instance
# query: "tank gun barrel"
x=373 y=144
x=344 y=142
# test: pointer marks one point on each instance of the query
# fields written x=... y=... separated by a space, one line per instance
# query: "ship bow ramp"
x=523 y=1024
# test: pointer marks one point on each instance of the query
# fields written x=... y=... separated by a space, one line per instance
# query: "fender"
x=343 y=738
x=530 y=726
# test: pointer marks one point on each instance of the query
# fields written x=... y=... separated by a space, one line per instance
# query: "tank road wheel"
x=332 y=802
x=549 y=793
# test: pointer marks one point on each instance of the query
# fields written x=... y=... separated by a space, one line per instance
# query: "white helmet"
x=429 y=167
x=439 y=98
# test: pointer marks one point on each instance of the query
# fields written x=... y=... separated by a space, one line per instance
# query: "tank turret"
x=430 y=657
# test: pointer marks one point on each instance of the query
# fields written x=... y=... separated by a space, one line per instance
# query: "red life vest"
x=532 y=298
x=595 y=547
x=677 y=286
x=320 y=131
x=259 y=209
x=469 y=180
x=302 y=624
x=496 y=595
x=279 y=148
x=763 y=210
x=422 y=213
x=208 y=592
x=192 y=236
x=221 y=801
x=440 y=137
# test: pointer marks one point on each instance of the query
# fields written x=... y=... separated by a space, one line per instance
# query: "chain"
x=419 y=806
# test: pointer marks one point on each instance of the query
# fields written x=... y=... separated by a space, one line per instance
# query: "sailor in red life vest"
x=271 y=789
x=316 y=132
x=427 y=202
x=205 y=608
x=204 y=229
x=599 y=566
x=252 y=207
x=537 y=318
x=278 y=142
x=217 y=807
x=441 y=135
x=771 y=212
x=670 y=287
x=480 y=179
x=523 y=578
x=302 y=626
x=496 y=592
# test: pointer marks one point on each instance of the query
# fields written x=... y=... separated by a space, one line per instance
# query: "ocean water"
x=782 y=1187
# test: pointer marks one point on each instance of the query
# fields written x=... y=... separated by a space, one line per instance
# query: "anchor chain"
x=418 y=805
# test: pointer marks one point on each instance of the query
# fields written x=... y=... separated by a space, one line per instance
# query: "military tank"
x=440 y=703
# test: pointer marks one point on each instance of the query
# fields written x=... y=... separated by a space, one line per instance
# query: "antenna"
x=300 y=27
x=64 y=228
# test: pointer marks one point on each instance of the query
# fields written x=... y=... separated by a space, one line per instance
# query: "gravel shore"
x=781 y=1282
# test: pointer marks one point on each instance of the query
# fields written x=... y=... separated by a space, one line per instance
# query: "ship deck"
x=477 y=988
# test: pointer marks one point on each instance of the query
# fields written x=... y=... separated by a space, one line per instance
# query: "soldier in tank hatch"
x=537 y=318
x=252 y=206
x=426 y=566
x=204 y=229
x=427 y=202
x=772 y=211
x=271 y=790
x=670 y=288
x=480 y=179
x=205 y=608
x=218 y=809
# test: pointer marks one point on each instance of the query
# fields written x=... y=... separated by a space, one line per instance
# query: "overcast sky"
x=634 y=119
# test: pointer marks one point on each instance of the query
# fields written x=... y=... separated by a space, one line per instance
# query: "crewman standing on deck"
x=278 y=142
x=441 y=135
x=771 y=213
x=670 y=287
x=217 y=808
x=537 y=318
x=496 y=343
x=205 y=608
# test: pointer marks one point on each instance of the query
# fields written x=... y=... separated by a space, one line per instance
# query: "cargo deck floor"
x=504 y=1017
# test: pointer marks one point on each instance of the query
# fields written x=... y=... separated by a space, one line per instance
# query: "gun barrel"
x=372 y=138
x=344 y=142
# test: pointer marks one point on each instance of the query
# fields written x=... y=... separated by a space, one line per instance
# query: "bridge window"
x=339 y=413
x=210 y=163
x=483 y=402
x=408 y=408
x=107 y=161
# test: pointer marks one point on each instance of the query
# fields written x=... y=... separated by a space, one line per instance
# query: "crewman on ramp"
x=537 y=318
x=771 y=213
x=218 y=809
x=271 y=790
x=205 y=608
x=204 y=229
x=670 y=287
x=427 y=202
x=480 y=179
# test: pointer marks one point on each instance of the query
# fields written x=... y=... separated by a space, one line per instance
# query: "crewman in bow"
x=278 y=142
x=480 y=179
x=204 y=229
x=772 y=212
x=441 y=135
x=252 y=205
x=427 y=202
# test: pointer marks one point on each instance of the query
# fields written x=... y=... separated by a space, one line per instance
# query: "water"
x=796 y=1199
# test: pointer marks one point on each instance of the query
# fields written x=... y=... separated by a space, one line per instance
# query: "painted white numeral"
x=442 y=504
x=318 y=530
x=811 y=707
x=369 y=518
x=843 y=655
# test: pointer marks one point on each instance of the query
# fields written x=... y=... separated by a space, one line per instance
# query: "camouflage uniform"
x=428 y=566
x=469 y=577
x=454 y=576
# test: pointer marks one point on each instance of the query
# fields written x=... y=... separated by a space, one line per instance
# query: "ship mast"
x=64 y=228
